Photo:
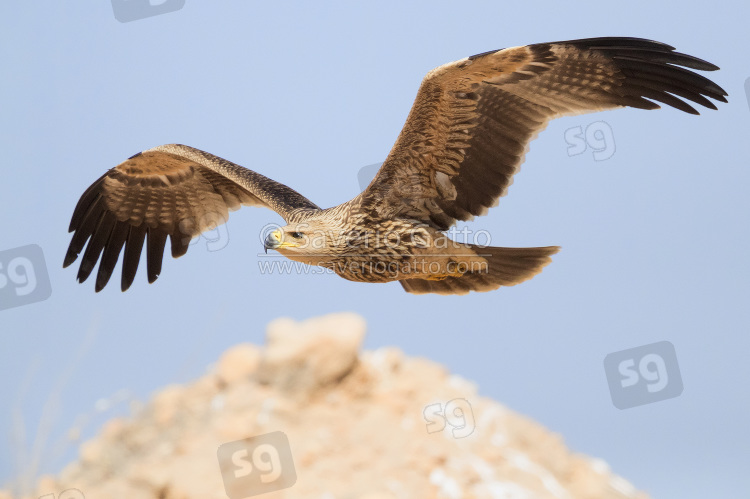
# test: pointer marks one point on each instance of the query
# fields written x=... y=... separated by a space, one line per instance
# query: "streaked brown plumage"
x=465 y=138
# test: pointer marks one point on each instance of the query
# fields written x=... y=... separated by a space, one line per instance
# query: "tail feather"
x=504 y=267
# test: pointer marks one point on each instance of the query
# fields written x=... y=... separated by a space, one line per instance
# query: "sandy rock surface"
x=308 y=416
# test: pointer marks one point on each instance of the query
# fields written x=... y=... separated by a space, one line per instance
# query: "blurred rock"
x=374 y=426
x=301 y=357
x=238 y=363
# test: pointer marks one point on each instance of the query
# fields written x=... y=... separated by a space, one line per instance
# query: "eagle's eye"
x=296 y=235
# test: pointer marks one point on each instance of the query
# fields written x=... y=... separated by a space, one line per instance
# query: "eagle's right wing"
x=171 y=190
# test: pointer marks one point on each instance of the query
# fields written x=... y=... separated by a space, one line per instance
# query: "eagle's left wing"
x=471 y=123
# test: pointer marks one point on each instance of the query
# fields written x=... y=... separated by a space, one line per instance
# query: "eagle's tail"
x=496 y=267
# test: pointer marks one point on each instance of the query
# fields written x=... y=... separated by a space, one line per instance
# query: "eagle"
x=463 y=141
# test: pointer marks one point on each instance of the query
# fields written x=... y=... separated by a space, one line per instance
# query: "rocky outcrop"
x=308 y=416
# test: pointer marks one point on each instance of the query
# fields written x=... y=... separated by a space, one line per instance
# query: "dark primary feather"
x=112 y=249
x=154 y=252
x=133 y=247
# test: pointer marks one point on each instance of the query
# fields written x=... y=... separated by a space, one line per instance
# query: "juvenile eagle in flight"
x=464 y=139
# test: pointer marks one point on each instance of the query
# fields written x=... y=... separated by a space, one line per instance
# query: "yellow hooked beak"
x=275 y=240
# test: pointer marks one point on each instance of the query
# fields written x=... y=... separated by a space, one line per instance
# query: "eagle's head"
x=312 y=241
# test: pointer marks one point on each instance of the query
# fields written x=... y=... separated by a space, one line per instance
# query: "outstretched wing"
x=171 y=190
x=471 y=123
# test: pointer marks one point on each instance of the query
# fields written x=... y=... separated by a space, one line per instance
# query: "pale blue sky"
x=654 y=239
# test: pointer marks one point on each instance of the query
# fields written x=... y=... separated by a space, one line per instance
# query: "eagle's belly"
x=399 y=249
x=386 y=268
x=371 y=268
